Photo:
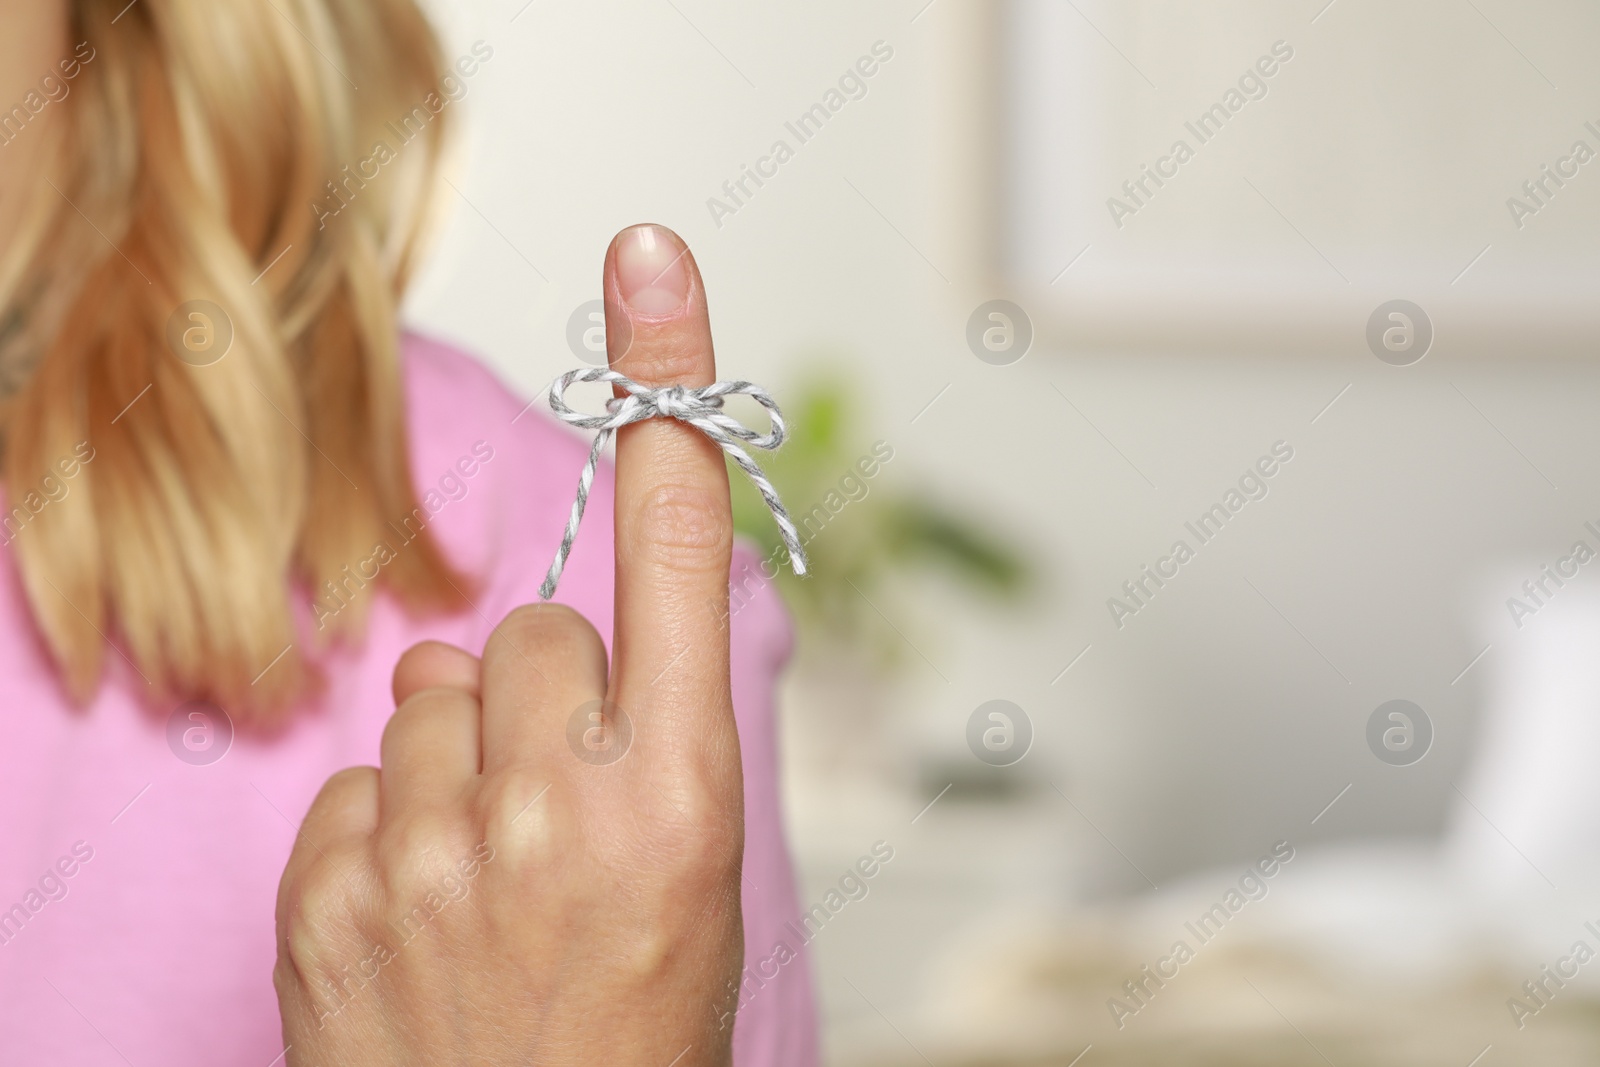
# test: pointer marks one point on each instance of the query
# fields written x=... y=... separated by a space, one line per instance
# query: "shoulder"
x=448 y=390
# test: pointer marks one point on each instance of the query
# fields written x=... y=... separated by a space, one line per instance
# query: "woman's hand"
x=520 y=884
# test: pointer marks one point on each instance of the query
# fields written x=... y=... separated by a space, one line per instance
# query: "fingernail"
x=651 y=271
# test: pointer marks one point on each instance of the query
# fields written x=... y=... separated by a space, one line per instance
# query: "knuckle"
x=417 y=856
x=320 y=921
x=683 y=523
x=428 y=887
x=410 y=658
x=522 y=817
x=556 y=628
x=699 y=804
x=286 y=982
x=421 y=712
x=697 y=838
x=404 y=722
x=342 y=792
x=697 y=865
x=675 y=357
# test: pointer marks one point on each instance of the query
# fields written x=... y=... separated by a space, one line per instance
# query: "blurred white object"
x=1528 y=811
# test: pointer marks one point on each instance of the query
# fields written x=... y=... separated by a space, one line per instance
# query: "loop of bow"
x=700 y=408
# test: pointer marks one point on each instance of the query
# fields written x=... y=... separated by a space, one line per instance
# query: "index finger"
x=674 y=523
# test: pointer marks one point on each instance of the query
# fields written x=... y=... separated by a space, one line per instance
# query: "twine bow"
x=700 y=408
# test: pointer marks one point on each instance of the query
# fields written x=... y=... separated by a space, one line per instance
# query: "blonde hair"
x=194 y=161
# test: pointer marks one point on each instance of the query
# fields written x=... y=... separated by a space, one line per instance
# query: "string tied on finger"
x=700 y=408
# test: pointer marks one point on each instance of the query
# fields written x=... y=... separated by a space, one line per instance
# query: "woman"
x=254 y=539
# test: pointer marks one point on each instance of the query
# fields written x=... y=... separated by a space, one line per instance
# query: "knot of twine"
x=700 y=408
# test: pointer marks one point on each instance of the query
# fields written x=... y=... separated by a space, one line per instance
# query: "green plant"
x=859 y=531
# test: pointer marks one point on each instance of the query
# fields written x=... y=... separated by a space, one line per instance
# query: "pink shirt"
x=137 y=889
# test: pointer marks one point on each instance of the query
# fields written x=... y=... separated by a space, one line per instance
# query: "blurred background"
x=1303 y=287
